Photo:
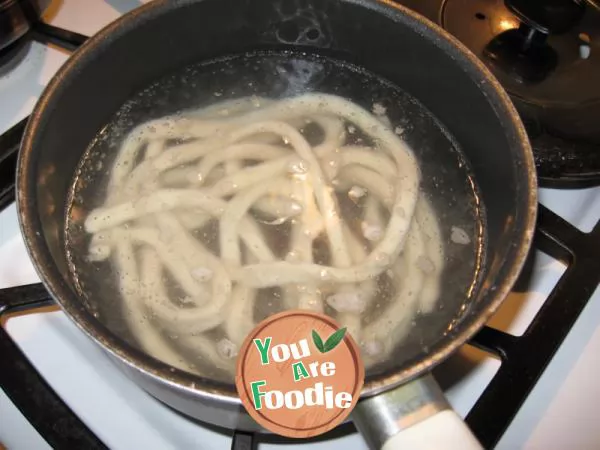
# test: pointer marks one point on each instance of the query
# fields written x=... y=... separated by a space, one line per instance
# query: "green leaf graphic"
x=333 y=340
x=318 y=341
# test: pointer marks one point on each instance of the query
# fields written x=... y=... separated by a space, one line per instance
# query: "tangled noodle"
x=152 y=207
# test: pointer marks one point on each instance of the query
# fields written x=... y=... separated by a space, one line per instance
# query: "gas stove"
x=526 y=380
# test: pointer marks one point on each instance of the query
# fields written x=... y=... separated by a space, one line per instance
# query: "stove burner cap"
x=556 y=68
x=547 y=16
x=16 y=18
x=522 y=55
x=546 y=54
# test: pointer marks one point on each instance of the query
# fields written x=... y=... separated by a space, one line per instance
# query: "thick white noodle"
x=133 y=292
x=306 y=228
x=152 y=283
x=246 y=165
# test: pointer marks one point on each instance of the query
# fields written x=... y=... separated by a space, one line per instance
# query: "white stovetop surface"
x=558 y=414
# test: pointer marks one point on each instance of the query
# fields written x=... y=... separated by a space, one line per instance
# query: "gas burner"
x=16 y=18
x=546 y=54
x=544 y=62
x=12 y=55
x=14 y=22
x=524 y=52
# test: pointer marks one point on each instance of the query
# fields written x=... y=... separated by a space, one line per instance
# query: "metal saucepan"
x=401 y=405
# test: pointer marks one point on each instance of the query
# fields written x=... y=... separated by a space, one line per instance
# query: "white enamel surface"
x=558 y=414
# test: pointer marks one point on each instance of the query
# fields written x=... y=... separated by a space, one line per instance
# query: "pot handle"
x=413 y=416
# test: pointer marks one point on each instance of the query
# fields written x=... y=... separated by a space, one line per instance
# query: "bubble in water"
x=459 y=236
x=357 y=192
x=227 y=349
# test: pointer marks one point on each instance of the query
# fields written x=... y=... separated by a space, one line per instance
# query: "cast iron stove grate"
x=523 y=358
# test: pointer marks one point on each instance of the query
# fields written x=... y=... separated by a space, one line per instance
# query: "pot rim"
x=207 y=389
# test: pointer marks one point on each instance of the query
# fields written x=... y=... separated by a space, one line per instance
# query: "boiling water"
x=446 y=184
